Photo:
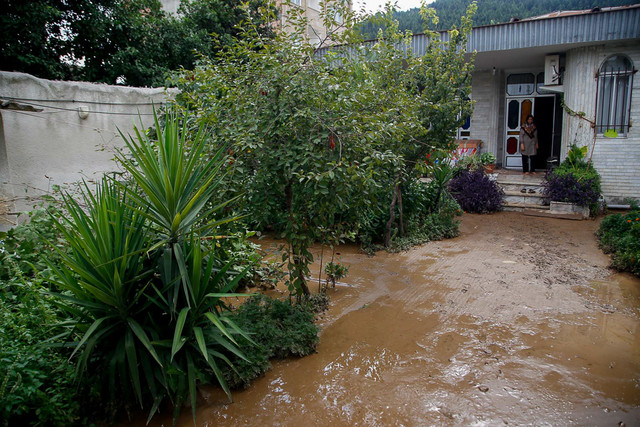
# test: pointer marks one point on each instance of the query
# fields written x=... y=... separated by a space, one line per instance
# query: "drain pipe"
x=626 y=207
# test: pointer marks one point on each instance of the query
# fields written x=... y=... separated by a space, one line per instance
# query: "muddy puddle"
x=516 y=321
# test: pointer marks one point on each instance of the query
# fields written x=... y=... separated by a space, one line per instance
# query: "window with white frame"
x=464 y=131
x=297 y=2
x=613 y=104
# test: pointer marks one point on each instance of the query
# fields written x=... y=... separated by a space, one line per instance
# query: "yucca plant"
x=145 y=282
x=442 y=174
x=177 y=183
x=176 y=177
x=106 y=275
x=203 y=331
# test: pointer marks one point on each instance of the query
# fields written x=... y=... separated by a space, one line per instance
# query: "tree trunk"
x=392 y=218
x=301 y=278
x=320 y=273
x=288 y=190
x=401 y=215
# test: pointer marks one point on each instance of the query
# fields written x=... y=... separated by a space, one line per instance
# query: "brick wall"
x=616 y=159
x=486 y=94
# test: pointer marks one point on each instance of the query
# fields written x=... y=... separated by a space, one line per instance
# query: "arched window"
x=615 y=79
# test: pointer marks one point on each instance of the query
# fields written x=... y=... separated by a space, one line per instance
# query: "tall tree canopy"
x=489 y=12
x=110 y=41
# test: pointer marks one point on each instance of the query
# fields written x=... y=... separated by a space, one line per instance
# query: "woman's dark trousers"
x=525 y=163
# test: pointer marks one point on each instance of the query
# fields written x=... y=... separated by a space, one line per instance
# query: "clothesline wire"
x=99 y=130
x=34 y=104
x=82 y=102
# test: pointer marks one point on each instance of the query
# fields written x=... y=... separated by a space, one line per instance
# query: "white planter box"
x=564 y=207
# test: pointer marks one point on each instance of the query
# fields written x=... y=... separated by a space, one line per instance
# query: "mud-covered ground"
x=517 y=321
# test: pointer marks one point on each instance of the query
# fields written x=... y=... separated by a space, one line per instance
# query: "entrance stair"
x=522 y=193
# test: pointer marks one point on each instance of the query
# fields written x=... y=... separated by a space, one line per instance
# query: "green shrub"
x=25 y=247
x=429 y=213
x=619 y=235
x=281 y=329
x=36 y=377
x=436 y=226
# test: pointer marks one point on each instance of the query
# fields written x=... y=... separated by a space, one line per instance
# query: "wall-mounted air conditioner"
x=552 y=73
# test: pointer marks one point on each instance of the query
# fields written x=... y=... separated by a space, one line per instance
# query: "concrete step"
x=519 y=186
x=514 y=198
x=521 y=207
x=526 y=198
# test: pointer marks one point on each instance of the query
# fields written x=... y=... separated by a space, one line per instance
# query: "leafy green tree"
x=117 y=41
x=29 y=40
x=315 y=140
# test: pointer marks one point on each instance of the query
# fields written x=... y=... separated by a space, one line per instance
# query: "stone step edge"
x=526 y=206
x=529 y=183
x=521 y=194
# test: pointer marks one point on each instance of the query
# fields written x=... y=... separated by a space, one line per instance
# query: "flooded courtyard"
x=516 y=321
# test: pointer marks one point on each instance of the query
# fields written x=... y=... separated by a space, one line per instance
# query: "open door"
x=544 y=113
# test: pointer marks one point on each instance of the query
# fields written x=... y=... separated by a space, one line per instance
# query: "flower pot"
x=564 y=207
x=489 y=168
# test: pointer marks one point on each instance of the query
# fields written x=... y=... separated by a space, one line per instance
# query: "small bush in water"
x=280 y=329
x=335 y=271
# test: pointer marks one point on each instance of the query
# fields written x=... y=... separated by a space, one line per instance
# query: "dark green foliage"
x=36 y=377
x=476 y=192
x=281 y=329
x=574 y=181
x=619 y=235
x=25 y=247
x=489 y=12
x=25 y=42
x=429 y=215
x=133 y=40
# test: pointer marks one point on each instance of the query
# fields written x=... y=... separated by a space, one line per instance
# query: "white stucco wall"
x=170 y=6
x=616 y=159
x=57 y=146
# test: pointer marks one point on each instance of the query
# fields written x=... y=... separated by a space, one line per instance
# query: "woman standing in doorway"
x=528 y=145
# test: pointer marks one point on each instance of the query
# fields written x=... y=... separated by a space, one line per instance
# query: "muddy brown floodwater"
x=516 y=321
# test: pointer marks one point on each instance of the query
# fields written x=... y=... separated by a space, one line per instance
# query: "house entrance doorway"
x=525 y=96
x=544 y=112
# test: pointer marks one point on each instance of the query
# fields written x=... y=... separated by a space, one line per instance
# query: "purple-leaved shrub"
x=475 y=192
x=570 y=188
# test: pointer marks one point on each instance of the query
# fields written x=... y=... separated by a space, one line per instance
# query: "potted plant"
x=574 y=186
x=488 y=161
x=471 y=163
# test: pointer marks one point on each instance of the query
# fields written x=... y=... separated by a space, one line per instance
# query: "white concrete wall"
x=56 y=145
x=616 y=159
x=170 y=6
